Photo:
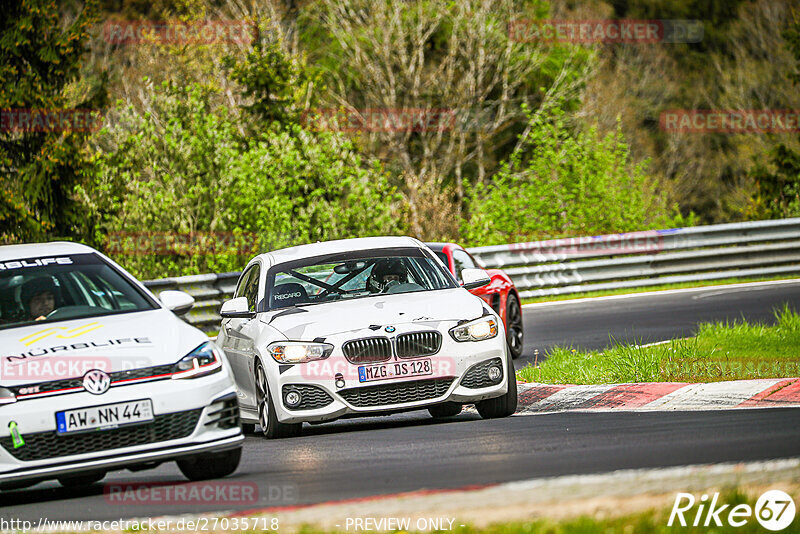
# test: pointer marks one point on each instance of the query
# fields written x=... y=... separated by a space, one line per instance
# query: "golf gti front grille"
x=387 y=394
x=368 y=350
x=418 y=344
x=160 y=371
x=44 y=445
x=313 y=397
x=477 y=376
x=67 y=385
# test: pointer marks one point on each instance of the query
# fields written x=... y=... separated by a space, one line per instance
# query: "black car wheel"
x=211 y=465
x=446 y=409
x=514 y=326
x=270 y=426
x=82 y=480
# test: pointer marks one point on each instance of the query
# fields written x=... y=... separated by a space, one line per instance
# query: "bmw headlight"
x=204 y=360
x=299 y=351
x=7 y=396
x=477 y=330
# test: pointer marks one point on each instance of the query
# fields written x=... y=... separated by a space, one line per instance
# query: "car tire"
x=80 y=481
x=446 y=409
x=211 y=465
x=504 y=405
x=514 y=328
x=268 y=419
x=15 y=485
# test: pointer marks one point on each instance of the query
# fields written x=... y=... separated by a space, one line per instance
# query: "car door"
x=247 y=333
x=236 y=342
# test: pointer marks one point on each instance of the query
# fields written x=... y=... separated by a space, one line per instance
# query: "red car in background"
x=501 y=294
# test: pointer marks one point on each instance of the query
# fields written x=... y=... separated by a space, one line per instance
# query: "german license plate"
x=368 y=373
x=103 y=417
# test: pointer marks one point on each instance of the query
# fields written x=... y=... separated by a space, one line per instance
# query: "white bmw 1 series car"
x=357 y=327
x=97 y=374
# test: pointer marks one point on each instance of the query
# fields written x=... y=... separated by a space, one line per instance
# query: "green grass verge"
x=720 y=351
x=661 y=287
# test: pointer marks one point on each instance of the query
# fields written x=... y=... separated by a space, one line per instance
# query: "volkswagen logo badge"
x=390 y=329
x=96 y=382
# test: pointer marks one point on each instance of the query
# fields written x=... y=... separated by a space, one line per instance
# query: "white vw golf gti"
x=97 y=374
x=358 y=327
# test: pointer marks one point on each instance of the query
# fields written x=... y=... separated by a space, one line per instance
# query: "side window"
x=251 y=287
x=443 y=258
x=462 y=261
x=243 y=283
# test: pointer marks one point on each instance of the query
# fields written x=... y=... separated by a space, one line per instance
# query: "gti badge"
x=96 y=382
x=390 y=329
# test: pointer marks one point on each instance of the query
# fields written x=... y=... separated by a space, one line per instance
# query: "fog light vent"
x=292 y=398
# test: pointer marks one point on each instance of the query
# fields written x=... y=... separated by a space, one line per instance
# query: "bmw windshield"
x=354 y=275
x=76 y=286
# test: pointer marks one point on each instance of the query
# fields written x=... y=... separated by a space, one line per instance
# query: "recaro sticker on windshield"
x=284 y=296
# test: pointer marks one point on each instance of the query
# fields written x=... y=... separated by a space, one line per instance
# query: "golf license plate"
x=368 y=373
x=107 y=416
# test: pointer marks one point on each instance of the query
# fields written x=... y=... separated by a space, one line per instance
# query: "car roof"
x=439 y=247
x=342 y=245
x=39 y=250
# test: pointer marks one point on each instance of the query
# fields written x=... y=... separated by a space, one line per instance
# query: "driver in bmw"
x=385 y=274
x=39 y=297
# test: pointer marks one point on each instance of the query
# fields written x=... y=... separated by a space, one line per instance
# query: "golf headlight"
x=7 y=396
x=204 y=360
x=477 y=330
x=299 y=351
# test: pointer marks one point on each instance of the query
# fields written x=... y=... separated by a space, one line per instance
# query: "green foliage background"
x=207 y=140
x=562 y=183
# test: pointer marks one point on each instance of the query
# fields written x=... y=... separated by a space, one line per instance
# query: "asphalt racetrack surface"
x=365 y=457
x=357 y=458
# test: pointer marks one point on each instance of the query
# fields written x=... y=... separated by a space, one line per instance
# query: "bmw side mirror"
x=236 y=309
x=177 y=302
x=475 y=278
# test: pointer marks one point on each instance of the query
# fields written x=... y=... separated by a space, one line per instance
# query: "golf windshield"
x=45 y=290
x=355 y=275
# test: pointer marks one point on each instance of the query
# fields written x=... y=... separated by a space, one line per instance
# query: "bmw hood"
x=424 y=308
x=68 y=349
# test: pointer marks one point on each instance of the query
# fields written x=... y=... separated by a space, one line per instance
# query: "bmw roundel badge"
x=390 y=329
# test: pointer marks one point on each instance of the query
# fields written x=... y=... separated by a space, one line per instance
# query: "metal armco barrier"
x=581 y=264
x=652 y=257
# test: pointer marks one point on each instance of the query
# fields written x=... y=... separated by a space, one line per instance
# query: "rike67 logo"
x=774 y=510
